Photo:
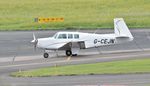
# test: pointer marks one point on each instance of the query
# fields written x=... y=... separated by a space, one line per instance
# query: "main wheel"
x=68 y=52
x=46 y=55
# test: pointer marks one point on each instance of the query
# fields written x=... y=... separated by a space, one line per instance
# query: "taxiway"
x=17 y=44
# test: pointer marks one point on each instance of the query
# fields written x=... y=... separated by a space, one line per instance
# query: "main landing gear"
x=69 y=53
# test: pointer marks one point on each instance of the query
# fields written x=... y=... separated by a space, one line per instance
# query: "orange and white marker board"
x=46 y=20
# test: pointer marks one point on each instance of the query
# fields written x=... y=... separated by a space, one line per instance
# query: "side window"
x=70 y=36
x=76 y=36
x=62 y=36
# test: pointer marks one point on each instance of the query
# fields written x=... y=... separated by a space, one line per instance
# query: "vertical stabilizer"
x=121 y=30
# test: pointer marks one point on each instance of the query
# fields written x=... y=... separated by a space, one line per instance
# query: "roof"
x=67 y=32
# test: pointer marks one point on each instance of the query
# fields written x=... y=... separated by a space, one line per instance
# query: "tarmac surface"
x=17 y=43
x=17 y=54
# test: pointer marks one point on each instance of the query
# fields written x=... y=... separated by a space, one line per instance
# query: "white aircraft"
x=72 y=42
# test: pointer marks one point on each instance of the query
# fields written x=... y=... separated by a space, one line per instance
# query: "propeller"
x=34 y=42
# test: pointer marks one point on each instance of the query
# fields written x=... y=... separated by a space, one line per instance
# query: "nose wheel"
x=46 y=55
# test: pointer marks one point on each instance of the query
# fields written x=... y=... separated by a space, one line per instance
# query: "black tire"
x=46 y=55
x=68 y=52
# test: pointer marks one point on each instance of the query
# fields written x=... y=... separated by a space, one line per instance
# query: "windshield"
x=55 y=36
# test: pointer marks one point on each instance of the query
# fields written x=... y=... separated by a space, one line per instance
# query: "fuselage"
x=89 y=39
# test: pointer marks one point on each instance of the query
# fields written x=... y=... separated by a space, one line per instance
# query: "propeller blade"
x=34 y=41
x=34 y=38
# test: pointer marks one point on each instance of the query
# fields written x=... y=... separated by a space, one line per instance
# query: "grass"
x=116 y=67
x=20 y=14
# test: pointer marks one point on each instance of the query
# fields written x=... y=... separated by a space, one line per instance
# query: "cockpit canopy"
x=66 y=35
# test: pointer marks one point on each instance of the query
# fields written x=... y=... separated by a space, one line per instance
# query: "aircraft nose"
x=34 y=41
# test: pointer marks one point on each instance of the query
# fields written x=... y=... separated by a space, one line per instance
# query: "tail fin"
x=121 y=30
